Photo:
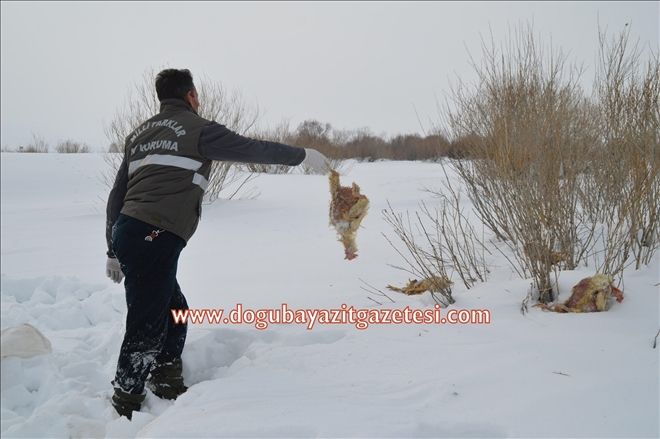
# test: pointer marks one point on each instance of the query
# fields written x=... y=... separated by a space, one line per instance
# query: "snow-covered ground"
x=535 y=375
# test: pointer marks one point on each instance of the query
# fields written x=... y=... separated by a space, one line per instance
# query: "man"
x=153 y=209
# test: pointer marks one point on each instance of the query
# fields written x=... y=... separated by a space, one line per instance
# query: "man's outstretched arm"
x=217 y=142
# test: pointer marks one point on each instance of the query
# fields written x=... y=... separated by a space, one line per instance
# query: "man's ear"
x=189 y=97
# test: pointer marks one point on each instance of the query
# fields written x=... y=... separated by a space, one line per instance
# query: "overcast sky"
x=67 y=67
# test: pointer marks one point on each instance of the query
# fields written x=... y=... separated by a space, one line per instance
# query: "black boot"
x=166 y=381
x=127 y=403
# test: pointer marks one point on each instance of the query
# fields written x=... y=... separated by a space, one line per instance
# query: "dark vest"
x=167 y=176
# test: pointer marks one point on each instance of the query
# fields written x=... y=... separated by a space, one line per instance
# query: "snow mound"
x=23 y=341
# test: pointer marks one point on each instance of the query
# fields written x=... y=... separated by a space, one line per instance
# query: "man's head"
x=177 y=84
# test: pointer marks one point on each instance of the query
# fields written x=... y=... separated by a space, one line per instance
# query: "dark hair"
x=173 y=83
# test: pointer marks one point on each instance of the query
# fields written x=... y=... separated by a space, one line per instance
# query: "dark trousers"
x=151 y=291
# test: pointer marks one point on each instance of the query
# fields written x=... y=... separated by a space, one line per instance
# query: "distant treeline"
x=363 y=144
x=337 y=144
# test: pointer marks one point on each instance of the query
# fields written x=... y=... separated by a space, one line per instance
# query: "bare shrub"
x=530 y=129
x=559 y=178
x=624 y=171
x=423 y=251
x=448 y=243
x=216 y=103
x=71 y=147
x=463 y=146
x=465 y=247
x=37 y=145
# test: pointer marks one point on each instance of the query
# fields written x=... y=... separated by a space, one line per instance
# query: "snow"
x=535 y=375
x=23 y=341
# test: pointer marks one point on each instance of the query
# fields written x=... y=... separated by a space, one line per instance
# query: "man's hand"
x=113 y=270
x=316 y=162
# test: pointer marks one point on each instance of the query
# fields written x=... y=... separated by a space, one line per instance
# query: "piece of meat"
x=434 y=284
x=591 y=294
x=347 y=209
